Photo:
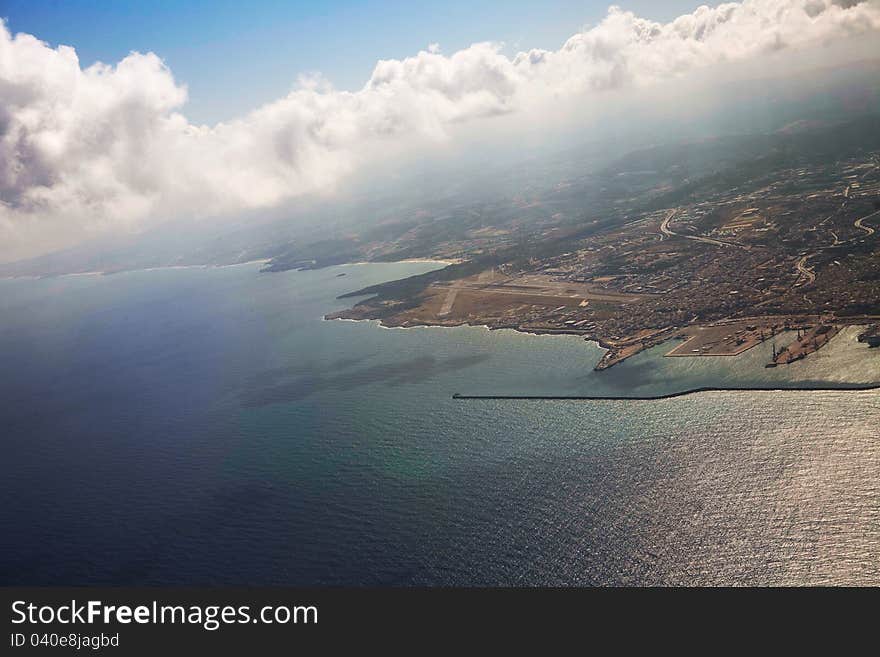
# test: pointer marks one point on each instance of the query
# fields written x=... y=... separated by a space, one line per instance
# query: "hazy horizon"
x=107 y=150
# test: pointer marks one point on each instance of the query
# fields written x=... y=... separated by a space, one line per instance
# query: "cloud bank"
x=108 y=147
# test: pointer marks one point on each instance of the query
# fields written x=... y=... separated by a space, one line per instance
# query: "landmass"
x=778 y=242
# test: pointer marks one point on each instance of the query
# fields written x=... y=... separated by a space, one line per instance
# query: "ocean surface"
x=206 y=426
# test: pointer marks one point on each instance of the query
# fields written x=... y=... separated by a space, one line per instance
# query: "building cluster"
x=789 y=243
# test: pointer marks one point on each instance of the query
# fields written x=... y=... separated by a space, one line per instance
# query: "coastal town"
x=787 y=254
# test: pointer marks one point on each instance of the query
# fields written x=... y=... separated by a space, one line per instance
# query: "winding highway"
x=664 y=226
x=803 y=270
x=667 y=232
x=867 y=229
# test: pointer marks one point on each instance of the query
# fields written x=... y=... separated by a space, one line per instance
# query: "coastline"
x=113 y=272
x=519 y=331
x=611 y=355
x=393 y=262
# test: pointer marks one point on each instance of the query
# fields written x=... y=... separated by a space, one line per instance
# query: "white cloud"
x=85 y=150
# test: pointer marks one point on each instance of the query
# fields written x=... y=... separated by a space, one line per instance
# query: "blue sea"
x=206 y=426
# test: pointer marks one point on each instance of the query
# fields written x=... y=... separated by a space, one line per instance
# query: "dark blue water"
x=205 y=426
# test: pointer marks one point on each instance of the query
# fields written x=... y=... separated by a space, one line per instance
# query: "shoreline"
x=395 y=262
x=536 y=332
x=259 y=261
x=610 y=355
x=36 y=277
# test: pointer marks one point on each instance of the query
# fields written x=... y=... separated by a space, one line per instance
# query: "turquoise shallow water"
x=206 y=426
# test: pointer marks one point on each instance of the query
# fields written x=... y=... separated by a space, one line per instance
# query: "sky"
x=235 y=56
x=117 y=116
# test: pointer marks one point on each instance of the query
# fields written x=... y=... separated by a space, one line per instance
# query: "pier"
x=672 y=395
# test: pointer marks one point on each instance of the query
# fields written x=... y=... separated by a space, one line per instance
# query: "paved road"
x=664 y=227
x=808 y=273
x=801 y=265
x=867 y=229
x=803 y=270
x=667 y=232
